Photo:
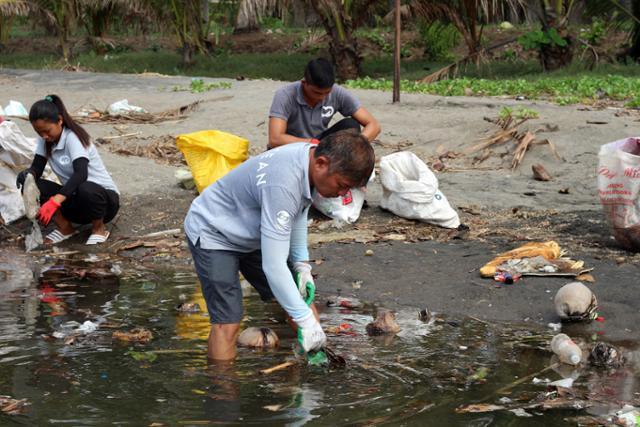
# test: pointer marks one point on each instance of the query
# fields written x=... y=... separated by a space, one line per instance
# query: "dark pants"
x=89 y=202
x=346 y=123
x=218 y=274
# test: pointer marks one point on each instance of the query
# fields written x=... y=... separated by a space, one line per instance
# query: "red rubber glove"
x=315 y=141
x=46 y=211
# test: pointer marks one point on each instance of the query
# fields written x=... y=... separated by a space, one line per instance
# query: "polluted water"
x=433 y=370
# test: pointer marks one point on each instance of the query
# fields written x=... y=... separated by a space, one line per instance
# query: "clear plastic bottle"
x=567 y=351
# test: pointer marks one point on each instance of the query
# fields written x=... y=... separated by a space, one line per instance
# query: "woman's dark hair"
x=319 y=72
x=50 y=109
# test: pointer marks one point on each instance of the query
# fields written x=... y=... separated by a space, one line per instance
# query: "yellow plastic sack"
x=210 y=154
x=549 y=250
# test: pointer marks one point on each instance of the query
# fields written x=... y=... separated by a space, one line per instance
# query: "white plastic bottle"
x=567 y=351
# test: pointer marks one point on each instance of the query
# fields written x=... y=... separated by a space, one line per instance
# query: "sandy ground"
x=503 y=208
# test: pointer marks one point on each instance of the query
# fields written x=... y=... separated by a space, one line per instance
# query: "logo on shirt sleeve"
x=283 y=219
x=327 y=111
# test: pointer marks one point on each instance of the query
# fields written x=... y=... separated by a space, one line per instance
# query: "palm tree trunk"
x=555 y=15
x=343 y=45
x=634 y=49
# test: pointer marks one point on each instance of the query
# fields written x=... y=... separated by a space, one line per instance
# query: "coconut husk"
x=140 y=335
x=384 y=324
x=540 y=173
x=258 y=338
x=575 y=302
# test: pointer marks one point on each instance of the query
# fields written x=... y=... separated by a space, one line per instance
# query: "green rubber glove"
x=304 y=281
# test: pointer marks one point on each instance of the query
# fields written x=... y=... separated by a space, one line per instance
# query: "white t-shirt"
x=68 y=149
x=262 y=196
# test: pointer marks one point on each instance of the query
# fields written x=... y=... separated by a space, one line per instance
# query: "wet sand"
x=503 y=208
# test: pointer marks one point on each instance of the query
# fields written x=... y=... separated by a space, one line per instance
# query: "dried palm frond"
x=15 y=7
x=251 y=12
x=149 y=118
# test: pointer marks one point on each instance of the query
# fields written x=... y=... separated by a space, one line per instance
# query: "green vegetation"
x=438 y=40
x=519 y=113
x=199 y=86
x=536 y=40
x=562 y=90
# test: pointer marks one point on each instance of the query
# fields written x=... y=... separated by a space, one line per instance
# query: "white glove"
x=303 y=277
x=310 y=334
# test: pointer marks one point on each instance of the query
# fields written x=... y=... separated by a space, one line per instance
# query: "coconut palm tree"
x=250 y=12
x=190 y=27
x=61 y=16
x=554 y=17
x=467 y=16
x=99 y=15
x=634 y=49
x=9 y=10
x=340 y=18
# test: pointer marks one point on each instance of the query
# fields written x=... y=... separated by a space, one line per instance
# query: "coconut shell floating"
x=385 y=324
x=258 y=338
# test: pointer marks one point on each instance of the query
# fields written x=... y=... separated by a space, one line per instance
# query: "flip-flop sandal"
x=96 y=239
x=56 y=236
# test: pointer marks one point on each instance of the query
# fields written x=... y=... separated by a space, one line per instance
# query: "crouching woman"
x=87 y=195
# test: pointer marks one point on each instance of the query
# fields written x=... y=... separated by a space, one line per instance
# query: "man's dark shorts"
x=218 y=274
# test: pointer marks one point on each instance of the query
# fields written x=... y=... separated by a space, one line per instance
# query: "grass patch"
x=199 y=86
x=562 y=90
x=500 y=78
x=253 y=66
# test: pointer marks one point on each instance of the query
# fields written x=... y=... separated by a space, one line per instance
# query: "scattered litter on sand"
x=534 y=259
x=101 y=116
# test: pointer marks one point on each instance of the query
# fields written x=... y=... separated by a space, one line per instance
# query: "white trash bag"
x=16 y=154
x=123 y=107
x=346 y=208
x=16 y=109
x=619 y=189
x=410 y=190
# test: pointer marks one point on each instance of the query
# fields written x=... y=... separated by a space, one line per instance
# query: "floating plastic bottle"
x=567 y=351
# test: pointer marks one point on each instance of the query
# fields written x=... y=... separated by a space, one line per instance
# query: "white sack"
x=410 y=190
x=619 y=181
x=619 y=189
x=346 y=208
x=16 y=154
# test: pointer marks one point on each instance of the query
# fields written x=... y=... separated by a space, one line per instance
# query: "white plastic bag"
x=410 y=190
x=619 y=189
x=123 y=107
x=15 y=108
x=16 y=154
x=346 y=208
